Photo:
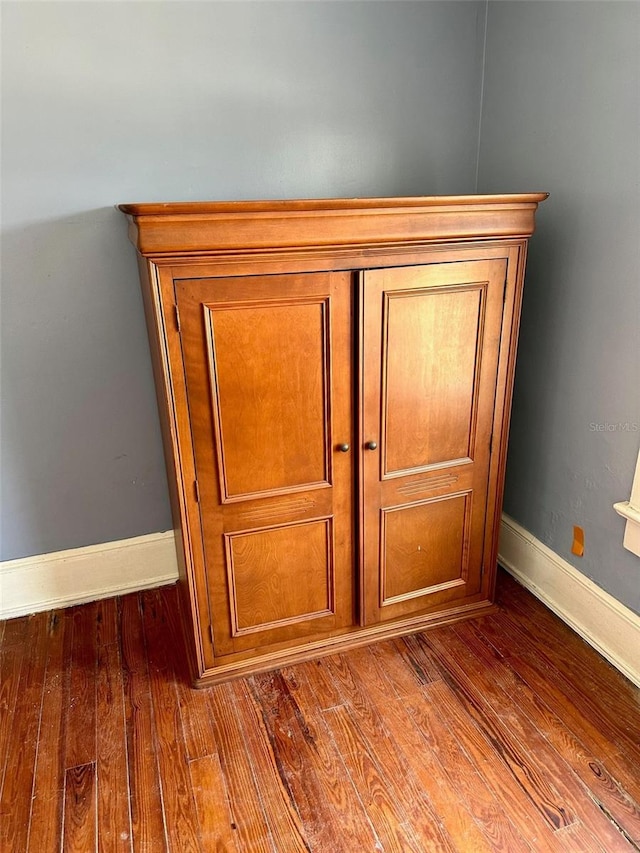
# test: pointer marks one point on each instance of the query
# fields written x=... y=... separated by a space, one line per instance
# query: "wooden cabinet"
x=334 y=381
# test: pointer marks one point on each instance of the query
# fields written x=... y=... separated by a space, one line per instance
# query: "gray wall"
x=561 y=112
x=112 y=102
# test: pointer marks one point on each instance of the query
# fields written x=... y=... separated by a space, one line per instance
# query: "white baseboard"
x=65 y=578
x=72 y=577
x=606 y=624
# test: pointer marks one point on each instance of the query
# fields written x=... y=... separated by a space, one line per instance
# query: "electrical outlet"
x=578 y=541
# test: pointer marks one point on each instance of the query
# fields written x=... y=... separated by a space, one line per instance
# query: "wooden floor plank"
x=16 y=799
x=618 y=699
x=467 y=760
x=16 y=631
x=514 y=753
x=11 y=660
x=546 y=682
x=245 y=802
x=81 y=715
x=405 y=680
x=212 y=807
x=421 y=762
x=147 y=820
x=372 y=785
x=326 y=687
x=293 y=739
x=607 y=794
x=199 y=736
x=424 y=667
x=111 y=768
x=488 y=735
x=552 y=633
x=80 y=812
x=45 y=829
x=515 y=801
x=280 y=796
x=577 y=839
x=338 y=690
x=107 y=621
x=321 y=758
x=177 y=796
x=197 y=728
x=478 y=682
x=412 y=796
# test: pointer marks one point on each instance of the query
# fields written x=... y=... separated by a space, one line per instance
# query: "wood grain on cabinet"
x=267 y=363
x=431 y=342
x=334 y=381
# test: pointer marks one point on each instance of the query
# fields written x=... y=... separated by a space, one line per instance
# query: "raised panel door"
x=269 y=383
x=430 y=346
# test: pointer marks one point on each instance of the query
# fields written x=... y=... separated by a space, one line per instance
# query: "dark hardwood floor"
x=505 y=733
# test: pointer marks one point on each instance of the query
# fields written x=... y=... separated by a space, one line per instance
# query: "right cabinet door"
x=429 y=358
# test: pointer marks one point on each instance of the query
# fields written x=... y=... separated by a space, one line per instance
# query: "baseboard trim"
x=65 y=578
x=606 y=624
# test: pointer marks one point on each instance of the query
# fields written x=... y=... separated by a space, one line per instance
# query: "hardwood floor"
x=504 y=733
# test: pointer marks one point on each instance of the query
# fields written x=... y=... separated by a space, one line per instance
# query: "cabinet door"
x=430 y=347
x=268 y=369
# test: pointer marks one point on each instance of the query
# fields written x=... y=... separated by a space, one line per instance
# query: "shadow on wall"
x=533 y=425
x=82 y=457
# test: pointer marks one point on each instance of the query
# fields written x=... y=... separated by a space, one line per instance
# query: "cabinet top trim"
x=225 y=227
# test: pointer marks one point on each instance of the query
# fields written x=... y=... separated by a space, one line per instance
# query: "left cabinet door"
x=268 y=365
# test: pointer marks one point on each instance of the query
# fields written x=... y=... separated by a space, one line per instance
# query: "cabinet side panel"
x=156 y=328
x=502 y=411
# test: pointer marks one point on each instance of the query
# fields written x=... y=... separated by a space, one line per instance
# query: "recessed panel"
x=280 y=575
x=269 y=366
x=431 y=340
x=424 y=546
